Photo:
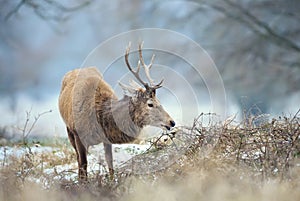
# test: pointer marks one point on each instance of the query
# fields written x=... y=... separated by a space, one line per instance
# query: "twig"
x=295 y=116
x=157 y=140
x=25 y=131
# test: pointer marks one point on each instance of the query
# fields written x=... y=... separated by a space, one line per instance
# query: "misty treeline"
x=257 y=50
x=255 y=44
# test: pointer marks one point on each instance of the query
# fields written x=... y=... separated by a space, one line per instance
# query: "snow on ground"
x=16 y=151
x=96 y=159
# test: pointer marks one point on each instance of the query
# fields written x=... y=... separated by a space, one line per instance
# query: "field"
x=210 y=160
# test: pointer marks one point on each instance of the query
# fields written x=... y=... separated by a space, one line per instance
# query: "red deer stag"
x=93 y=114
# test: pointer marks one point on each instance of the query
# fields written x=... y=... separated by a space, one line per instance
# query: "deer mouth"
x=167 y=127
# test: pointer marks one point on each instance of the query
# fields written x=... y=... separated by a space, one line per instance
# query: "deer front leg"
x=109 y=158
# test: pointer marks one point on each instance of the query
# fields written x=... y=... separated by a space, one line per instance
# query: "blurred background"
x=254 y=44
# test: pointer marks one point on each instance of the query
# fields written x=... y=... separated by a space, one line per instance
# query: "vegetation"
x=215 y=161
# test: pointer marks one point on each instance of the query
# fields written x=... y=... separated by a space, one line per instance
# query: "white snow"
x=96 y=159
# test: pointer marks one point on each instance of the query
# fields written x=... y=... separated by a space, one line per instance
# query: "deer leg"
x=81 y=154
x=82 y=159
x=71 y=138
x=109 y=158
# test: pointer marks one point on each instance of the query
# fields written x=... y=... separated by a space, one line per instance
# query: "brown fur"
x=93 y=114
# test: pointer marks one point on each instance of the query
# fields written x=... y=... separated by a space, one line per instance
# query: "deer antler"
x=135 y=73
x=146 y=68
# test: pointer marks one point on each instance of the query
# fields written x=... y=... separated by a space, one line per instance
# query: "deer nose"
x=172 y=123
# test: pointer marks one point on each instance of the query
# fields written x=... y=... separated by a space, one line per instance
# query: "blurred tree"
x=256 y=45
x=27 y=42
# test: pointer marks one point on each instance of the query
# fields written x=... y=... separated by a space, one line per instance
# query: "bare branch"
x=43 y=9
x=25 y=130
x=15 y=10
x=67 y=9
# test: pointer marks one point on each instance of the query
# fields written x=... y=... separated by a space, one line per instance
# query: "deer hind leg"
x=72 y=139
x=81 y=154
x=109 y=158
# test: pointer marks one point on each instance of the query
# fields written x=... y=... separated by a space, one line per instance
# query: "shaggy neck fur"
x=119 y=120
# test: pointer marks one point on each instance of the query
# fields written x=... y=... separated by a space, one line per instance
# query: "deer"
x=93 y=114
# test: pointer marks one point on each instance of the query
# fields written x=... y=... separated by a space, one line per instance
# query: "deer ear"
x=128 y=90
x=135 y=85
x=151 y=93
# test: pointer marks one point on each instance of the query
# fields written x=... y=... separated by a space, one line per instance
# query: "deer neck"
x=117 y=120
x=124 y=115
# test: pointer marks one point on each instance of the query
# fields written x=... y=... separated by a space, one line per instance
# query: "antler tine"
x=135 y=73
x=146 y=67
x=158 y=85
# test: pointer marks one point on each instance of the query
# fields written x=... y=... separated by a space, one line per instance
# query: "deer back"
x=83 y=92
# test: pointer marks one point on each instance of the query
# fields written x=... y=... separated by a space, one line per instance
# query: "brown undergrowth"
x=215 y=161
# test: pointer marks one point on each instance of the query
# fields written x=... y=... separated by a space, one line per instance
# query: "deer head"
x=147 y=107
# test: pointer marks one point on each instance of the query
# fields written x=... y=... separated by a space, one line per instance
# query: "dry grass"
x=216 y=161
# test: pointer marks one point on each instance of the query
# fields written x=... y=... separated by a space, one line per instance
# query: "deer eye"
x=150 y=104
